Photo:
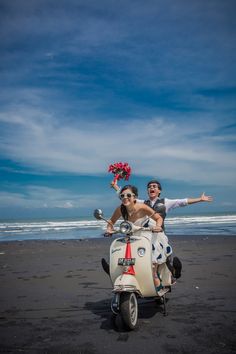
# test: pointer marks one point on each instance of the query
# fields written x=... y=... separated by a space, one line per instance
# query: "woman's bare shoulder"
x=143 y=206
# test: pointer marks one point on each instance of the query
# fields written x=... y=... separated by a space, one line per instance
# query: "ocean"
x=84 y=228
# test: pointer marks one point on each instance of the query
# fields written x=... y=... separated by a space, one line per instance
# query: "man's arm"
x=115 y=186
x=176 y=203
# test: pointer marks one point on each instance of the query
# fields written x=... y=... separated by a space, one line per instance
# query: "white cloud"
x=103 y=61
x=186 y=150
x=45 y=197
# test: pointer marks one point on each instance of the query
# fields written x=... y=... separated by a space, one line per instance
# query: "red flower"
x=120 y=170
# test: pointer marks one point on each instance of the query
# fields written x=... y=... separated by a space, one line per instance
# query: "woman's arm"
x=155 y=216
x=115 y=216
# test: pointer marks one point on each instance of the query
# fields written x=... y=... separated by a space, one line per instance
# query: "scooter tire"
x=129 y=310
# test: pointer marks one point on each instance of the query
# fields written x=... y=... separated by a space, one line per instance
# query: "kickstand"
x=164 y=305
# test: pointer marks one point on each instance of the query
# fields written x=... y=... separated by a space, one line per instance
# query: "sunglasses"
x=126 y=195
x=154 y=186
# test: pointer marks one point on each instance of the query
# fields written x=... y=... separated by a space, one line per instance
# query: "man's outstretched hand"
x=206 y=198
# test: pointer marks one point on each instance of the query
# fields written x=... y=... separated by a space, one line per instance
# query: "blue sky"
x=88 y=83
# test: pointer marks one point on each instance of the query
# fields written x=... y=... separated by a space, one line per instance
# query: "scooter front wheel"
x=129 y=309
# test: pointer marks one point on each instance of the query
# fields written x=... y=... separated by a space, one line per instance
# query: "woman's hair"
x=132 y=188
x=123 y=209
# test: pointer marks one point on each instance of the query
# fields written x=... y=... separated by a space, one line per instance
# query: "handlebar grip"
x=107 y=234
x=161 y=230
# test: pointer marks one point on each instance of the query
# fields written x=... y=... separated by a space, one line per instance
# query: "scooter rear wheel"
x=129 y=309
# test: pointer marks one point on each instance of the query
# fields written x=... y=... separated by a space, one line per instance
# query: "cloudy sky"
x=88 y=83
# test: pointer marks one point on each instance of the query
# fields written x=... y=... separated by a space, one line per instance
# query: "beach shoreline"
x=55 y=298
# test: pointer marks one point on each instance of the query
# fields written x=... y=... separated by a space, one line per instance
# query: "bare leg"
x=156 y=279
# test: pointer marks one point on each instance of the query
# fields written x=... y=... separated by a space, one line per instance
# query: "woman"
x=136 y=213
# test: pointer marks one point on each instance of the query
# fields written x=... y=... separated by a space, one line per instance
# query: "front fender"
x=126 y=282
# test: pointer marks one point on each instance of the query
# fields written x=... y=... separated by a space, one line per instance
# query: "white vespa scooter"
x=131 y=270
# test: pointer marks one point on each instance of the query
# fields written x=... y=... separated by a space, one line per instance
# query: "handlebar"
x=127 y=228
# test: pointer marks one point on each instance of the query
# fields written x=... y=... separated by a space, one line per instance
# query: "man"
x=163 y=206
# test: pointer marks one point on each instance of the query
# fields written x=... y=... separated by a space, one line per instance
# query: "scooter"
x=131 y=270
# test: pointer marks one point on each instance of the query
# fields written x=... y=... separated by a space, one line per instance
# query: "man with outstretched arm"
x=163 y=206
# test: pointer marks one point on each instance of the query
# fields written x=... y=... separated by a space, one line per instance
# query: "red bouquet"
x=120 y=170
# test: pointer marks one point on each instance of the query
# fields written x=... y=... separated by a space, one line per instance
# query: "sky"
x=88 y=83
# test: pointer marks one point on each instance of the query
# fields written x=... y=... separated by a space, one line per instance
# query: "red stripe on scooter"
x=128 y=255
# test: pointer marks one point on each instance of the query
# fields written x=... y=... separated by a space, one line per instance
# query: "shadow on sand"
x=147 y=308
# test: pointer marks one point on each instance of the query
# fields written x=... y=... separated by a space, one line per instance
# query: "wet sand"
x=55 y=298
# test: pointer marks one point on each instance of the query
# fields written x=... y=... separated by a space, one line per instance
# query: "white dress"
x=160 y=246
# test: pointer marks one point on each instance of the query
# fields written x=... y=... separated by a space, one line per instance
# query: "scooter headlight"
x=125 y=227
x=141 y=251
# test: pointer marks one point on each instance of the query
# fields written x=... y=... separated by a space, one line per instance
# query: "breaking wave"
x=76 y=229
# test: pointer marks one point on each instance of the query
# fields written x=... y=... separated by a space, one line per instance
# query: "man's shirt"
x=169 y=203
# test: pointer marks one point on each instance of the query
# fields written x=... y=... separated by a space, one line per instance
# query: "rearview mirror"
x=98 y=214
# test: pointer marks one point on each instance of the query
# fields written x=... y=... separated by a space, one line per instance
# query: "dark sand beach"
x=55 y=298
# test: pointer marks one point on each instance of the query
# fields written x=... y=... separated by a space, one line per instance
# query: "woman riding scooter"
x=138 y=214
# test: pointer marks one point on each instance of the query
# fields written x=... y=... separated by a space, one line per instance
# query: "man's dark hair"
x=156 y=182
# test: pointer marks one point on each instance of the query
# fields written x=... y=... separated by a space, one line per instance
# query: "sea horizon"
x=58 y=228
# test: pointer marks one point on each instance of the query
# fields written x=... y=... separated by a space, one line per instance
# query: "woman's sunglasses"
x=126 y=195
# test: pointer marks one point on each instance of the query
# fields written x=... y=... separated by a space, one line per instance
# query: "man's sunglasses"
x=154 y=186
x=126 y=195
